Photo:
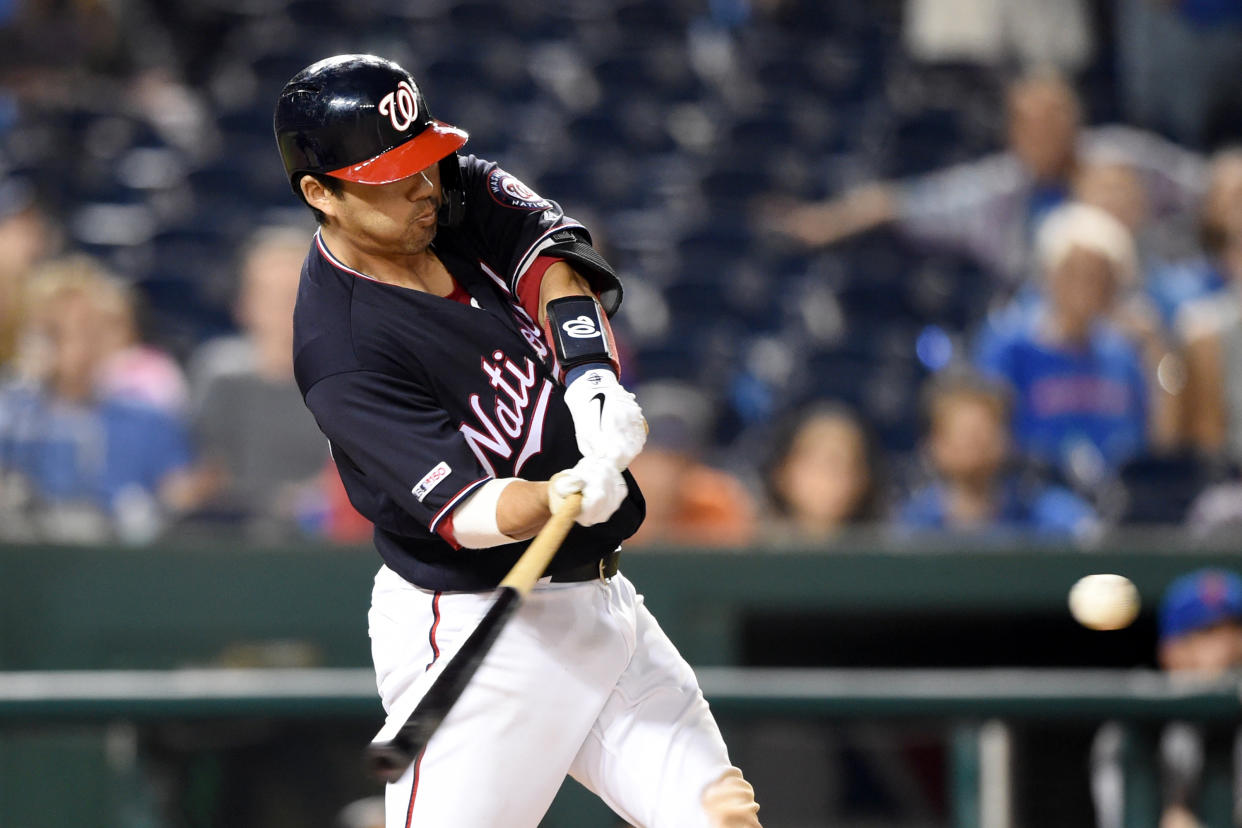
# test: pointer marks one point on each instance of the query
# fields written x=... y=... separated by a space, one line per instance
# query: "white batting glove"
x=608 y=422
x=602 y=486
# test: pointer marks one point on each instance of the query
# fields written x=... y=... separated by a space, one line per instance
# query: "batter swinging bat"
x=389 y=758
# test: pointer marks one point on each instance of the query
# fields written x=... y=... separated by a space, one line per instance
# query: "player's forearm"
x=560 y=281
x=522 y=508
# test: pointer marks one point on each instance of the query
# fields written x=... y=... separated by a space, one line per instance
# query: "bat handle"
x=542 y=549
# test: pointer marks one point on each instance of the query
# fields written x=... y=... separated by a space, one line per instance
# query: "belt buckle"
x=608 y=566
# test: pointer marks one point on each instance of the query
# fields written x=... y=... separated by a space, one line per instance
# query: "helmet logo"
x=400 y=106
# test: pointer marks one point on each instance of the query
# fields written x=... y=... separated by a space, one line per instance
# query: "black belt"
x=602 y=569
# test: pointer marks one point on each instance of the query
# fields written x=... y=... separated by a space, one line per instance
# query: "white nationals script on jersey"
x=501 y=430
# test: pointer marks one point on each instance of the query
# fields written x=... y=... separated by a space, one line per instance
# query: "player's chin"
x=418 y=236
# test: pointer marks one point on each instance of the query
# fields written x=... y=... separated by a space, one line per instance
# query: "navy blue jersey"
x=424 y=398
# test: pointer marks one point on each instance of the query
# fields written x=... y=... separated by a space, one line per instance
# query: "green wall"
x=205 y=605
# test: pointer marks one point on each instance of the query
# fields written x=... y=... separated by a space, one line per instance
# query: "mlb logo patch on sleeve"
x=433 y=478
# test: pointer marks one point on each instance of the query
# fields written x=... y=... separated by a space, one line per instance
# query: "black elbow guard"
x=585 y=259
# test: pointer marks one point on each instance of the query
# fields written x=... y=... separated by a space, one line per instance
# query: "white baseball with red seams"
x=582 y=681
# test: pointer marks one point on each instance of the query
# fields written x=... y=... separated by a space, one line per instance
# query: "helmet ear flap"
x=453 y=192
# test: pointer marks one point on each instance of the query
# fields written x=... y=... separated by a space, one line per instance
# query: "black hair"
x=869 y=506
x=332 y=185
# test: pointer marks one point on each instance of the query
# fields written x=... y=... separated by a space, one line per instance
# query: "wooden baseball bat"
x=389 y=758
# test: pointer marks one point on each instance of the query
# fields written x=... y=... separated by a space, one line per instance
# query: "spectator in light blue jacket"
x=975 y=489
x=77 y=464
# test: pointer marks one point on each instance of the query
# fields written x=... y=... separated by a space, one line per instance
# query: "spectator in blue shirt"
x=75 y=464
x=974 y=490
x=1081 y=403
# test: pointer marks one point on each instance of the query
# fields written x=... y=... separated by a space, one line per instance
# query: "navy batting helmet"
x=361 y=118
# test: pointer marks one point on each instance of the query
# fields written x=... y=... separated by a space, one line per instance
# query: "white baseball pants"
x=582 y=681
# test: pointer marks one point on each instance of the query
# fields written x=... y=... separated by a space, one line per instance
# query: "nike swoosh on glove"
x=602 y=486
x=608 y=422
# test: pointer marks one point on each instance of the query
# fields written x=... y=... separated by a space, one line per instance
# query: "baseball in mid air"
x=1104 y=602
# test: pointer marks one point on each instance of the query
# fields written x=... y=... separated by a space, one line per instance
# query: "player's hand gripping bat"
x=389 y=758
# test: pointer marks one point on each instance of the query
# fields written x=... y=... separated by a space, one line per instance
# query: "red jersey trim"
x=459 y=293
x=524 y=263
x=453 y=501
x=431 y=634
x=337 y=263
x=531 y=282
x=448 y=531
x=435 y=655
x=491 y=274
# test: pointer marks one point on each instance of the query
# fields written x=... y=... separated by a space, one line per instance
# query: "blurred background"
x=932 y=307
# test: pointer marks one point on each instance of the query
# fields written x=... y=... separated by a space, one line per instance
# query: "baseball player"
x=451 y=338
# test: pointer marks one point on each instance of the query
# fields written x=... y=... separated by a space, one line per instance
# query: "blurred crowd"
x=921 y=268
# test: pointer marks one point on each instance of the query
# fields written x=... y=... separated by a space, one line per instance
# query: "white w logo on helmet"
x=400 y=106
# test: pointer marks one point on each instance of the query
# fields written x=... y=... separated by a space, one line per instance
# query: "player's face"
x=1043 y=125
x=397 y=219
x=969 y=441
x=825 y=475
x=1082 y=286
x=1209 y=652
x=74 y=334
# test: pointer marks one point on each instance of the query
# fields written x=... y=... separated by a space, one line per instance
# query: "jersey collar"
x=337 y=263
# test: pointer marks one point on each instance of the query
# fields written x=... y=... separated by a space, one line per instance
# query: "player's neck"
x=418 y=271
x=1064 y=330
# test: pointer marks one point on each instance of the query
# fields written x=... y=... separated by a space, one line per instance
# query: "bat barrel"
x=388 y=760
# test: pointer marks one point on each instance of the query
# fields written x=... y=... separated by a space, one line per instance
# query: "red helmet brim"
x=415 y=155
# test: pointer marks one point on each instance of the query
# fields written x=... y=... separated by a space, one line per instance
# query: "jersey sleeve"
x=395 y=435
x=519 y=227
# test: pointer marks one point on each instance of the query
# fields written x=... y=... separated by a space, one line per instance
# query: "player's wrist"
x=600 y=483
x=579 y=371
x=608 y=422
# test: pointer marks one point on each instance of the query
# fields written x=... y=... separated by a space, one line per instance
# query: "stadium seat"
x=1160 y=489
